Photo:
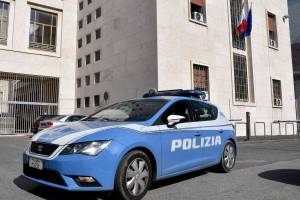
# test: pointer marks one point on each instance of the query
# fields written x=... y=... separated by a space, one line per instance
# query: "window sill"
x=198 y=22
x=280 y=107
x=274 y=48
x=244 y=104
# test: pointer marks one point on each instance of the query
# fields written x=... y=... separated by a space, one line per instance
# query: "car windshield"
x=45 y=117
x=129 y=111
x=57 y=118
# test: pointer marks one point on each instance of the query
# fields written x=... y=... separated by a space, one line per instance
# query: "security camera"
x=285 y=17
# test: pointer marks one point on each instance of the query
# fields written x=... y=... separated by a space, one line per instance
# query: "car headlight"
x=86 y=148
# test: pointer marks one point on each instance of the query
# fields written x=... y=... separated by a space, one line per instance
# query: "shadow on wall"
x=287 y=176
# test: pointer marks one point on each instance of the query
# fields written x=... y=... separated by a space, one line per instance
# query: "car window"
x=179 y=108
x=129 y=111
x=203 y=112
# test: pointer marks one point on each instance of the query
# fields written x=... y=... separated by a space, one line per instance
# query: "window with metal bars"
x=4 y=11
x=201 y=77
x=272 y=28
x=43 y=28
x=277 y=93
x=236 y=9
x=198 y=11
x=240 y=78
x=78 y=102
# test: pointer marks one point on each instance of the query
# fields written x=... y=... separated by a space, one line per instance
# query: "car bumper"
x=62 y=171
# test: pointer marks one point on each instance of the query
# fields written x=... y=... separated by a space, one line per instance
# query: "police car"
x=126 y=146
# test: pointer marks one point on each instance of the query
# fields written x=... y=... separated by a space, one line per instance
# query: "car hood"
x=68 y=133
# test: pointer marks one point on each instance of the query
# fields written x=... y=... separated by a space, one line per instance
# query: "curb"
x=16 y=135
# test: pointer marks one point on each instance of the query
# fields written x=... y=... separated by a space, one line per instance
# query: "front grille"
x=42 y=148
x=45 y=175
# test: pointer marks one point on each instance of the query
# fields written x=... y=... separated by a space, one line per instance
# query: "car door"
x=178 y=142
x=205 y=117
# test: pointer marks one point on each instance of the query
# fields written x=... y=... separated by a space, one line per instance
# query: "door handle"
x=221 y=131
x=198 y=135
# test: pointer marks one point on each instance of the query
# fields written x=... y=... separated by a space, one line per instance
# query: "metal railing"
x=255 y=128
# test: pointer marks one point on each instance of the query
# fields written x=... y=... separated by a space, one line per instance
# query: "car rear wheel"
x=134 y=176
x=228 y=157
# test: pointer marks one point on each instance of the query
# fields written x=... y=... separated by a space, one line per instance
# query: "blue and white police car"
x=126 y=146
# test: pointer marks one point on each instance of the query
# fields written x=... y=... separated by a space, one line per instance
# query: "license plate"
x=36 y=163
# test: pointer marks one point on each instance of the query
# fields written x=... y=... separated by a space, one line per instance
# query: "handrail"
x=290 y=123
x=264 y=123
x=275 y=122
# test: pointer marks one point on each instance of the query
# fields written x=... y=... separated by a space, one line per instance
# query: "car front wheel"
x=228 y=157
x=134 y=176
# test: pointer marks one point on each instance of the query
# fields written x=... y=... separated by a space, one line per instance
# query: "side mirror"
x=173 y=120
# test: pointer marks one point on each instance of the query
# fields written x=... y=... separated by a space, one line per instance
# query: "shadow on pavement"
x=50 y=193
x=287 y=176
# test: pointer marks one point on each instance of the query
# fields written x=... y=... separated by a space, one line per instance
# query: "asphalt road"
x=264 y=171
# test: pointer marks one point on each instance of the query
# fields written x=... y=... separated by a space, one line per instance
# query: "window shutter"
x=198 y=2
x=271 y=22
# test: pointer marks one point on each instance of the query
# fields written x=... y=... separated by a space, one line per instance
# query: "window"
x=240 y=78
x=97 y=55
x=88 y=19
x=277 y=93
x=179 y=108
x=79 y=43
x=43 y=27
x=98 y=33
x=87 y=59
x=87 y=102
x=236 y=9
x=78 y=102
x=272 y=27
x=130 y=111
x=87 y=80
x=203 y=112
x=81 y=5
x=78 y=82
x=80 y=24
x=198 y=10
x=4 y=11
x=89 y=1
x=88 y=38
x=79 y=63
x=98 y=12
x=97 y=100
x=201 y=77
x=97 y=77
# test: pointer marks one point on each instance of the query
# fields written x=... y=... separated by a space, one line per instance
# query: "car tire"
x=228 y=158
x=134 y=176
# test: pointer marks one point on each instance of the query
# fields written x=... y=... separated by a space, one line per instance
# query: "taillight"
x=50 y=123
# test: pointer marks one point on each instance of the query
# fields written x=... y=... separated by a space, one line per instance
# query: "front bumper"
x=61 y=171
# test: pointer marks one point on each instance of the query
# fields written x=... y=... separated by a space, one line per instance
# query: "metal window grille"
x=88 y=38
x=78 y=82
x=4 y=12
x=236 y=9
x=88 y=59
x=201 y=77
x=88 y=18
x=97 y=55
x=98 y=33
x=23 y=98
x=97 y=100
x=98 y=12
x=80 y=24
x=43 y=27
x=79 y=43
x=81 y=5
x=79 y=63
x=87 y=102
x=277 y=93
x=87 y=80
x=240 y=78
x=78 y=102
x=97 y=77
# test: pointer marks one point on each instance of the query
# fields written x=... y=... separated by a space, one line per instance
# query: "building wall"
x=184 y=42
x=16 y=57
x=128 y=51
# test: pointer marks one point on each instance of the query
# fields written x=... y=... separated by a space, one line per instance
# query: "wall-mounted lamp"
x=285 y=17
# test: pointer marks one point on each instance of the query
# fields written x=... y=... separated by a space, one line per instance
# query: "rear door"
x=178 y=142
x=209 y=130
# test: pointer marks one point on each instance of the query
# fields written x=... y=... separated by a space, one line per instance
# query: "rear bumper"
x=62 y=171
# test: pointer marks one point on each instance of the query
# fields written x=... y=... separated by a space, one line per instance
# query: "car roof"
x=174 y=98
